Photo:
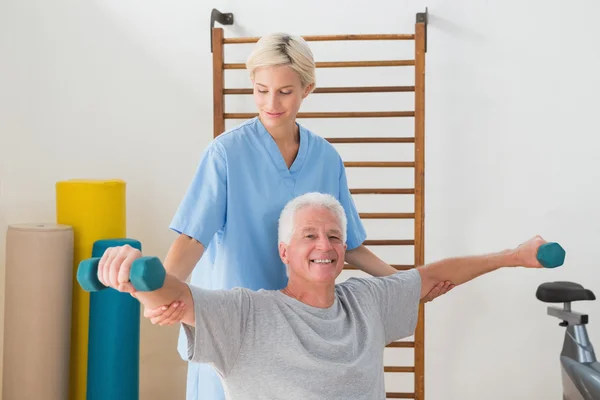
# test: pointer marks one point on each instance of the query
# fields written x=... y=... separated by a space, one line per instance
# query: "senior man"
x=314 y=339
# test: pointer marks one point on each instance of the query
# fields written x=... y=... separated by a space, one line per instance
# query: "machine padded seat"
x=563 y=292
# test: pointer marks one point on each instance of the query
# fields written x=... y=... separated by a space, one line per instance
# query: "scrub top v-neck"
x=277 y=158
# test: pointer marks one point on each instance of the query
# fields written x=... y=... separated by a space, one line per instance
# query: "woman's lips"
x=274 y=115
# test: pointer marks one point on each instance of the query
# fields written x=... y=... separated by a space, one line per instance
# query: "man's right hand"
x=114 y=267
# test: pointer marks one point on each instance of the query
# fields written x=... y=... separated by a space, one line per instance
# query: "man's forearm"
x=459 y=270
x=173 y=289
x=363 y=259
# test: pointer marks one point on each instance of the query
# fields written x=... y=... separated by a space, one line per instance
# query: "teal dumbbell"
x=147 y=274
x=551 y=255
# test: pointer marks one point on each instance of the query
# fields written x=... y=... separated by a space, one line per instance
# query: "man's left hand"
x=526 y=253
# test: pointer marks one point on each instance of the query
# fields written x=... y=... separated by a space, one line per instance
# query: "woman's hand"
x=166 y=315
x=438 y=290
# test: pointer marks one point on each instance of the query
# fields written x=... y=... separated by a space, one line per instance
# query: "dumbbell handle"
x=551 y=255
x=147 y=274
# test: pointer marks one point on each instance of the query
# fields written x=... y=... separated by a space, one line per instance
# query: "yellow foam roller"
x=96 y=209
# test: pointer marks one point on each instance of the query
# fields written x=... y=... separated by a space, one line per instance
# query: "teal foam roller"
x=114 y=334
x=551 y=255
x=146 y=274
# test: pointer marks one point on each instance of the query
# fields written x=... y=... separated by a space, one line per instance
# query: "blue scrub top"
x=232 y=207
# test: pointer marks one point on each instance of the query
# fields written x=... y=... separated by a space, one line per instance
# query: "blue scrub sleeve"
x=202 y=211
x=355 y=231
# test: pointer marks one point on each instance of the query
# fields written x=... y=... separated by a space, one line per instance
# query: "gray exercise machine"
x=579 y=369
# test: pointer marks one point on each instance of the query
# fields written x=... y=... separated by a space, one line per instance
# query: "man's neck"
x=320 y=296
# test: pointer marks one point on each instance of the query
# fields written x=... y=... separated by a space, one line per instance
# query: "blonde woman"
x=227 y=221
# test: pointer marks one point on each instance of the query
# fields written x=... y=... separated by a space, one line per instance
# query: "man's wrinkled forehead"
x=314 y=219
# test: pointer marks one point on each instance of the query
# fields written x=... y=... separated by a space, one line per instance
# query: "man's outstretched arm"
x=459 y=270
x=214 y=320
x=113 y=271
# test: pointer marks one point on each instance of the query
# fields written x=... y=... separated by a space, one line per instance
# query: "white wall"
x=511 y=146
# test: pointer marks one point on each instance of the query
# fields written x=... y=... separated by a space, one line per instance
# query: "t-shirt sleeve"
x=220 y=324
x=397 y=299
x=202 y=212
x=355 y=231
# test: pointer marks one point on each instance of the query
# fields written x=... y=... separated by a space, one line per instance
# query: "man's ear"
x=283 y=253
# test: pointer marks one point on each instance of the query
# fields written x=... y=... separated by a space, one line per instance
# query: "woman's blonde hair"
x=283 y=49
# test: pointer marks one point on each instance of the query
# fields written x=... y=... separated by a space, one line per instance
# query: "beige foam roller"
x=37 y=316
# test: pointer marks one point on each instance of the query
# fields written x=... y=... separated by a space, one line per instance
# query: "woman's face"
x=278 y=94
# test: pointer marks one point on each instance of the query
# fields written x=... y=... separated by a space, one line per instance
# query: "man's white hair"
x=314 y=199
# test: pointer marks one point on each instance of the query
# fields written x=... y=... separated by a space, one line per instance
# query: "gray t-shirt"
x=267 y=345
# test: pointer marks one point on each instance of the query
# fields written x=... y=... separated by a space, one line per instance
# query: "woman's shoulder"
x=320 y=144
x=234 y=135
x=234 y=139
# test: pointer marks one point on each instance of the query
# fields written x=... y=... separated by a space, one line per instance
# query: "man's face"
x=316 y=251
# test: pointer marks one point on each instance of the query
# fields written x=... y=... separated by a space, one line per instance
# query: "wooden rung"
x=399 y=395
x=329 y=38
x=387 y=215
x=353 y=114
x=380 y=164
x=399 y=267
x=382 y=191
x=343 y=64
x=352 y=64
x=372 y=140
x=365 y=89
x=401 y=242
x=401 y=345
x=361 y=89
x=398 y=369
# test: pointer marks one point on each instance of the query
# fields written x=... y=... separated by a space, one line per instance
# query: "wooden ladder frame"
x=218 y=41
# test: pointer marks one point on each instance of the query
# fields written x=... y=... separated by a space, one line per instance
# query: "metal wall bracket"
x=423 y=18
x=222 y=18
